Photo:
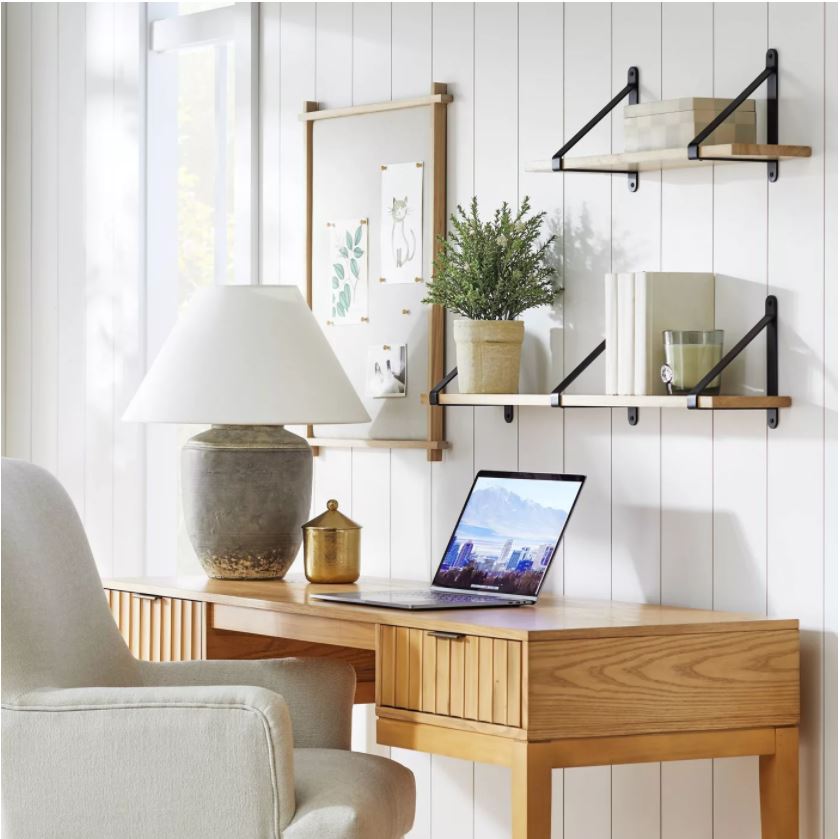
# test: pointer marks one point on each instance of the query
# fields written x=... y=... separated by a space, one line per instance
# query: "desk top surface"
x=552 y=618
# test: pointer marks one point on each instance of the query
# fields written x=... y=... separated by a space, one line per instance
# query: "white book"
x=625 y=331
x=667 y=300
x=611 y=333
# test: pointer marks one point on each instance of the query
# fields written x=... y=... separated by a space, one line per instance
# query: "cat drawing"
x=401 y=248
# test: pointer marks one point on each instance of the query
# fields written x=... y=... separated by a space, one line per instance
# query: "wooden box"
x=676 y=122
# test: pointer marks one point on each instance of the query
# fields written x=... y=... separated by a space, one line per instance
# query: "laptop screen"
x=508 y=532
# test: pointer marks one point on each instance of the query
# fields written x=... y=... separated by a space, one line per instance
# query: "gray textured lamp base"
x=246 y=491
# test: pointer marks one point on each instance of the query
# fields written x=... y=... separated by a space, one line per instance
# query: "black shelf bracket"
x=632 y=412
x=631 y=90
x=435 y=392
x=770 y=74
x=770 y=323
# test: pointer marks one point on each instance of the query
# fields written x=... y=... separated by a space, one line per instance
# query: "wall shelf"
x=770 y=401
x=694 y=154
x=705 y=402
x=653 y=161
x=370 y=443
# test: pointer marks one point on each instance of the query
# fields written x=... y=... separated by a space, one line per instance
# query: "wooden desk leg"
x=779 y=784
x=531 y=792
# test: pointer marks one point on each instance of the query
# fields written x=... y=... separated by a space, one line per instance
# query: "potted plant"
x=490 y=273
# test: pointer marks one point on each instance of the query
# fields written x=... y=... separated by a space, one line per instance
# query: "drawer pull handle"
x=139 y=596
x=449 y=636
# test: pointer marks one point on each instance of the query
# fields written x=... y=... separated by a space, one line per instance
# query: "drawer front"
x=469 y=677
x=158 y=628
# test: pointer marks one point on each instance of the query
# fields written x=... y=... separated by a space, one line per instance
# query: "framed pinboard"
x=375 y=206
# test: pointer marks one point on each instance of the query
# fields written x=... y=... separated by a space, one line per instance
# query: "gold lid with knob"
x=332 y=519
x=332 y=547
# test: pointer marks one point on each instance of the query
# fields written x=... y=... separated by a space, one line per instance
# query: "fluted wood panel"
x=162 y=629
x=469 y=677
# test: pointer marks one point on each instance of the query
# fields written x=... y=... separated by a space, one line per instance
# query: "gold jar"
x=332 y=547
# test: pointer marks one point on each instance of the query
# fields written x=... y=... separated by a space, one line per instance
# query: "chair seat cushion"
x=350 y=795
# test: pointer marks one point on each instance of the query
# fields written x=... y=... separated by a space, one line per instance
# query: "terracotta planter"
x=488 y=353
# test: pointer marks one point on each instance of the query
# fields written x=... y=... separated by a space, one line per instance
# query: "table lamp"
x=246 y=360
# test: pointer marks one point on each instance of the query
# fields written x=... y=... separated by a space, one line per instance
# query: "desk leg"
x=779 y=784
x=531 y=792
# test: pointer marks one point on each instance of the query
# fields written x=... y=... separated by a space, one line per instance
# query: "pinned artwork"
x=348 y=271
x=401 y=234
x=386 y=366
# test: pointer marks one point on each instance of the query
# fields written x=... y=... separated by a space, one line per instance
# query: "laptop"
x=500 y=550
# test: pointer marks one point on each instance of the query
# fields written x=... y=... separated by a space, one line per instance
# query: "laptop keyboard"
x=441 y=597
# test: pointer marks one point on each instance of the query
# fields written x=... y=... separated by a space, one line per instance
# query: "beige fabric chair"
x=97 y=744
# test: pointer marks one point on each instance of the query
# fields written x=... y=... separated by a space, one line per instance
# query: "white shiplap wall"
x=73 y=279
x=697 y=510
x=688 y=509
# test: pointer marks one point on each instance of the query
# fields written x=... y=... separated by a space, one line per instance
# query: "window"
x=201 y=193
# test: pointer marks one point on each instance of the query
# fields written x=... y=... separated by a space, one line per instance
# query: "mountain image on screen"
x=510 y=515
x=505 y=541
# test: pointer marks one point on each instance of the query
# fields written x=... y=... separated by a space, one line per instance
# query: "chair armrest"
x=144 y=761
x=318 y=692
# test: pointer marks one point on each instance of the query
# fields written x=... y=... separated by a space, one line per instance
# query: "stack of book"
x=639 y=308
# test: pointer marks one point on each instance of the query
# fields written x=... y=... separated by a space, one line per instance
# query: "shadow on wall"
x=587 y=252
x=679 y=578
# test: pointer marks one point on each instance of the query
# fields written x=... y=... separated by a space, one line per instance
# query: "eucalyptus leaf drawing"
x=348 y=262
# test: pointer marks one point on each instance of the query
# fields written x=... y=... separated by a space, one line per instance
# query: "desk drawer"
x=158 y=628
x=464 y=676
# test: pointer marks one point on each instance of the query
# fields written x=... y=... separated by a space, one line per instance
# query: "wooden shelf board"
x=377 y=107
x=537 y=400
x=364 y=443
x=652 y=161
x=548 y=400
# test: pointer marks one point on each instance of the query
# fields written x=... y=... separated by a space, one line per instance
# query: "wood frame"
x=437 y=101
x=567 y=683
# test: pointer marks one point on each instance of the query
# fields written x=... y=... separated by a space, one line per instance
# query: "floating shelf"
x=659 y=159
x=572 y=400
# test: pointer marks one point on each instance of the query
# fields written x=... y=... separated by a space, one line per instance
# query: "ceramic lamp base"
x=246 y=491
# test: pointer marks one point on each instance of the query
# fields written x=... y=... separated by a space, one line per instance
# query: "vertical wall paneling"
x=71 y=251
x=297 y=85
x=540 y=94
x=129 y=282
x=453 y=63
x=540 y=134
x=100 y=148
x=162 y=293
x=795 y=449
x=411 y=49
x=271 y=148
x=586 y=257
x=17 y=251
x=686 y=439
x=636 y=491
x=496 y=180
x=371 y=468
x=740 y=439
x=44 y=426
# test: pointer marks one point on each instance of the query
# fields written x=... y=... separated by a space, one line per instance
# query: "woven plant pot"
x=488 y=353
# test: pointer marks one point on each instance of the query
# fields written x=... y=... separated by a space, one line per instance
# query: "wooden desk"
x=566 y=683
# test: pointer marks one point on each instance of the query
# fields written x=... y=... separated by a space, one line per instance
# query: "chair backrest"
x=57 y=628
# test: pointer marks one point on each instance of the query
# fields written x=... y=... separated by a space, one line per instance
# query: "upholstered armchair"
x=97 y=744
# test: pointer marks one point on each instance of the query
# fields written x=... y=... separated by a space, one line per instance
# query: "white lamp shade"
x=246 y=355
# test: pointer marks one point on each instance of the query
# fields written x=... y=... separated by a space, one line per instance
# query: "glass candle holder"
x=690 y=354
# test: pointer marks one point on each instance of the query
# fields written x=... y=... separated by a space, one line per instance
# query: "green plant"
x=493 y=270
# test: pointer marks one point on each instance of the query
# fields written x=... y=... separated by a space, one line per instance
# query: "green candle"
x=692 y=354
